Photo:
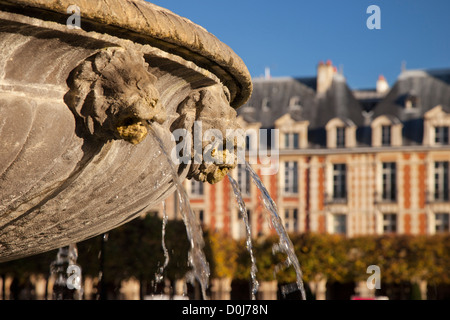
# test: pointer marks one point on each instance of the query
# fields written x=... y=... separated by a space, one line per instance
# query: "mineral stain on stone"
x=133 y=133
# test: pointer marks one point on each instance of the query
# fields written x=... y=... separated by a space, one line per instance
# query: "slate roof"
x=272 y=98
x=429 y=88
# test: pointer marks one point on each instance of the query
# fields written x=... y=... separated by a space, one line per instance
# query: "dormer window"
x=436 y=127
x=386 y=131
x=341 y=133
x=386 y=135
x=291 y=140
x=411 y=102
x=340 y=137
x=292 y=134
x=441 y=135
x=294 y=101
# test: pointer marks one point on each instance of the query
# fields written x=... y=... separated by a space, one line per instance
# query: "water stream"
x=67 y=273
x=159 y=276
x=197 y=258
x=244 y=215
x=285 y=245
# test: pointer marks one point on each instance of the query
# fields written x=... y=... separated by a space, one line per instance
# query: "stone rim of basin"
x=147 y=23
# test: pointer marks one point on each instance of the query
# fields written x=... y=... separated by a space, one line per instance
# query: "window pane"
x=389 y=191
x=386 y=135
x=295 y=141
x=295 y=220
x=390 y=223
x=196 y=188
x=340 y=137
x=441 y=190
x=340 y=223
x=247 y=142
x=442 y=222
x=290 y=177
x=339 y=181
x=441 y=135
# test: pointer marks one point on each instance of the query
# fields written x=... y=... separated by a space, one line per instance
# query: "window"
x=266 y=104
x=389 y=181
x=291 y=140
x=201 y=216
x=441 y=135
x=389 y=223
x=340 y=137
x=196 y=188
x=385 y=135
x=339 y=182
x=290 y=177
x=291 y=220
x=247 y=143
x=294 y=101
x=442 y=222
x=340 y=224
x=441 y=191
x=411 y=102
x=243 y=179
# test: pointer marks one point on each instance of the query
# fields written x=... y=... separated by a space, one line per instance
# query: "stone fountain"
x=78 y=106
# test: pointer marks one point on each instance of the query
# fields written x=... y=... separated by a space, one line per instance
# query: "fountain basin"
x=78 y=108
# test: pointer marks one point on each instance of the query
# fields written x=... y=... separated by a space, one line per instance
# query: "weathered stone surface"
x=210 y=107
x=76 y=159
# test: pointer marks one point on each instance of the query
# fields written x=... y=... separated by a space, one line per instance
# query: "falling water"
x=67 y=274
x=197 y=259
x=160 y=274
x=285 y=245
x=101 y=289
x=243 y=210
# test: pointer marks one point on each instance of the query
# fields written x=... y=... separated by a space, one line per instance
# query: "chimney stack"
x=382 y=85
x=325 y=72
x=267 y=73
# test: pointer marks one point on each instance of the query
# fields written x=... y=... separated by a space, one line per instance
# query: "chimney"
x=267 y=73
x=325 y=72
x=382 y=85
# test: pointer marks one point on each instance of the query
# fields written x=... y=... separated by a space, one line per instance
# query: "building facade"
x=361 y=162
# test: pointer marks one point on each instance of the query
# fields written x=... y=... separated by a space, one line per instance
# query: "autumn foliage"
x=134 y=250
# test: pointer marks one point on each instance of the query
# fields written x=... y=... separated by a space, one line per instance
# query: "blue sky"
x=292 y=36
